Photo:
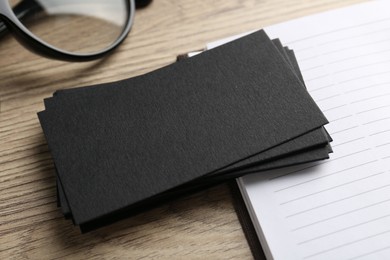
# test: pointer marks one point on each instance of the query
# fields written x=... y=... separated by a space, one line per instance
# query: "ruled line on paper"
x=313 y=68
x=338 y=30
x=371 y=252
x=325 y=176
x=343 y=39
x=363 y=77
x=321 y=88
x=356 y=46
x=370 y=98
x=330 y=188
x=377 y=120
x=344 y=49
x=332 y=108
x=380 y=132
x=326 y=98
x=358 y=56
x=361 y=66
x=338 y=200
x=372 y=109
x=343 y=130
x=347 y=142
x=383 y=144
x=309 y=58
x=340 y=215
x=340 y=118
x=367 y=87
x=346 y=244
x=317 y=77
x=342 y=229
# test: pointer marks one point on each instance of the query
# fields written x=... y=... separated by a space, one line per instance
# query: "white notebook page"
x=338 y=208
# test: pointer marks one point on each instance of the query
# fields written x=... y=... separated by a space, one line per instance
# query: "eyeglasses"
x=71 y=30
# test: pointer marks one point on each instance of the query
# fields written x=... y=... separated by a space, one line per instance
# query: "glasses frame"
x=40 y=47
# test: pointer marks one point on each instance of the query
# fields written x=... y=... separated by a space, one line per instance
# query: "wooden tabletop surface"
x=198 y=226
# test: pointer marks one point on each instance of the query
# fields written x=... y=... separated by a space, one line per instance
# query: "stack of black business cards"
x=122 y=147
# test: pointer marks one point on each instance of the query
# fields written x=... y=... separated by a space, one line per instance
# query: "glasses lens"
x=76 y=26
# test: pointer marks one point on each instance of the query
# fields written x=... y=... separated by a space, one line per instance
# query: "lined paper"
x=339 y=208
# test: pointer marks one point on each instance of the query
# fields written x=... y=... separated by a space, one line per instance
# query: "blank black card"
x=118 y=146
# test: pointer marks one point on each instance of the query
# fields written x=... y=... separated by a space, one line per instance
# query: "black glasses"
x=71 y=30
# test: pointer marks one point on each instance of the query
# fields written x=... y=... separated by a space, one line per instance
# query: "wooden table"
x=198 y=226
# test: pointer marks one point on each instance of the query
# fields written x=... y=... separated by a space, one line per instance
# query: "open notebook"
x=339 y=208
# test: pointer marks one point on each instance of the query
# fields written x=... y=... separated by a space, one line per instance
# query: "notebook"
x=339 y=208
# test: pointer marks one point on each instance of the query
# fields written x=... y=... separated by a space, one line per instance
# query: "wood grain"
x=199 y=226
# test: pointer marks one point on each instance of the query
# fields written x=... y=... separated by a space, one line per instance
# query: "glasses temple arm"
x=22 y=11
x=3 y=29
